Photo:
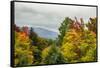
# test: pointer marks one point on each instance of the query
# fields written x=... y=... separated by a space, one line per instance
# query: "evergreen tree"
x=62 y=29
x=33 y=36
x=52 y=55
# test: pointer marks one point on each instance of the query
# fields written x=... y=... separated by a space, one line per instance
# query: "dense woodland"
x=76 y=42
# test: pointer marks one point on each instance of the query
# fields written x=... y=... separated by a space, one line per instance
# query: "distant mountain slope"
x=45 y=33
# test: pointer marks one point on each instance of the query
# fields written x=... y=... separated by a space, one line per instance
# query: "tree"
x=33 y=36
x=69 y=48
x=52 y=55
x=79 y=44
x=88 y=47
x=42 y=43
x=16 y=28
x=63 y=29
x=25 y=29
x=92 y=25
x=23 y=54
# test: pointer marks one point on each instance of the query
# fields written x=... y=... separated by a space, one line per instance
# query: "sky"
x=49 y=16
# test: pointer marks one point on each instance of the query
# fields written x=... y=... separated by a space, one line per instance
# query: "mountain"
x=45 y=33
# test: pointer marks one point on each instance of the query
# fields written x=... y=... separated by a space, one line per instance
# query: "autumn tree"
x=23 y=54
x=79 y=44
x=91 y=25
x=16 y=28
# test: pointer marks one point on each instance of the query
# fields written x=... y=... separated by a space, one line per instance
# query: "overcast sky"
x=48 y=15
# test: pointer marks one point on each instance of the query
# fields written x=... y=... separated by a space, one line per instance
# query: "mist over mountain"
x=45 y=33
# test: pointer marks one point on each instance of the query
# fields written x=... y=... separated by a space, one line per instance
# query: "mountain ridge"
x=45 y=33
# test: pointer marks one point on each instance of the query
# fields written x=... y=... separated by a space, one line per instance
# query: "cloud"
x=47 y=15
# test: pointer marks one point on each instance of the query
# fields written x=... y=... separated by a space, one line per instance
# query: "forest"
x=75 y=43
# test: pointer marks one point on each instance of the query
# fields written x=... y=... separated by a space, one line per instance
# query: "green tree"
x=52 y=55
x=33 y=36
x=62 y=29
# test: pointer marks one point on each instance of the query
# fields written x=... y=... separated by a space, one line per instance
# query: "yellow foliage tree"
x=79 y=46
x=23 y=54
